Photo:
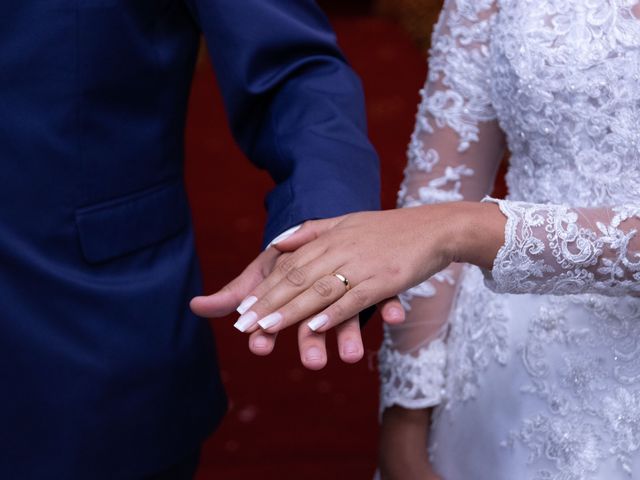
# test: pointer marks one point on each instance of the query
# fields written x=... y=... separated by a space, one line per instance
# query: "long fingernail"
x=246 y=304
x=271 y=320
x=245 y=321
x=283 y=236
x=313 y=354
x=317 y=322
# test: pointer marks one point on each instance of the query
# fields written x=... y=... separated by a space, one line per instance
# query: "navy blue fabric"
x=183 y=470
x=104 y=372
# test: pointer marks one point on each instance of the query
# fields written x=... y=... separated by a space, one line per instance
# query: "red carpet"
x=286 y=422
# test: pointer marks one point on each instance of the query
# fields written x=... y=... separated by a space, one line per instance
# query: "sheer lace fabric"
x=560 y=250
x=543 y=385
x=445 y=163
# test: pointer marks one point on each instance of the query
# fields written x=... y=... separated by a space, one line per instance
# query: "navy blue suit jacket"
x=104 y=372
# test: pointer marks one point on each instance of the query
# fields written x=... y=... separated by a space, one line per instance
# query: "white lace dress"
x=534 y=367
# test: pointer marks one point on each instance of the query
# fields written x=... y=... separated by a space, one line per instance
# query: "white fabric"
x=545 y=384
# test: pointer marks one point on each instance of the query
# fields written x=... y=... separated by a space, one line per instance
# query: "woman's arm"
x=401 y=451
x=453 y=155
x=556 y=249
x=541 y=249
x=380 y=253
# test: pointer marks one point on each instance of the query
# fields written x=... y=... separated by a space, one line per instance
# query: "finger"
x=312 y=347
x=227 y=299
x=392 y=311
x=295 y=281
x=242 y=323
x=308 y=232
x=322 y=293
x=262 y=343
x=350 y=344
x=346 y=307
x=288 y=269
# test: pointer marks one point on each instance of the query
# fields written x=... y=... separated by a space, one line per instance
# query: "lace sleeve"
x=555 y=249
x=453 y=155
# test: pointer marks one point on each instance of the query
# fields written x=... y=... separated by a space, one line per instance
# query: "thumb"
x=227 y=299
x=224 y=301
x=307 y=232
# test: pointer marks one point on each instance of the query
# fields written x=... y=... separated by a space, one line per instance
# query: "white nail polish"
x=246 y=304
x=318 y=322
x=246 y=321
x=283 y=236
x=270 y=320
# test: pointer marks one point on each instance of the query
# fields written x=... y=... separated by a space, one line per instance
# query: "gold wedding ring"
x=343 y=279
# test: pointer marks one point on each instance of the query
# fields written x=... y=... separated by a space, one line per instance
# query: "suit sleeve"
x=295 y=106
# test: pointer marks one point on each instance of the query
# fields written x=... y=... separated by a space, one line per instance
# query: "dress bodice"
x=566 y=90
x=538 y=376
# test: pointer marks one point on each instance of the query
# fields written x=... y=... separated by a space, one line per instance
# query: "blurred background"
x=285 y=422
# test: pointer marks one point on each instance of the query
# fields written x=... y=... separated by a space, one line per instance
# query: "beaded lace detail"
x=455 y=104
x=582 y=359
x=561 y=79
x=557 y=250
x=479 y=337
x=412 y=381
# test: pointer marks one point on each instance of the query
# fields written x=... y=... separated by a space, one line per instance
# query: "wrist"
x=477 y=233
x=398 y=415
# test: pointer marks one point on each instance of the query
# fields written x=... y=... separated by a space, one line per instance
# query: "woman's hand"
x=361 y=259
x=403 y=445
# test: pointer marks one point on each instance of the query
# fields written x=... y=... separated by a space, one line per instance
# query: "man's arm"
x=295 y=106
x=297 y=110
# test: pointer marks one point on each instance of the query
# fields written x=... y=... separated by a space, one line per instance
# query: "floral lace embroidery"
x=456 y=97
x=564 y=84
x=563 y=77
x=557 y=250
x=458 y=62
x=460 y=98
x=411 y=381
x=425 y=289
x=588 y=419
x=477 y=337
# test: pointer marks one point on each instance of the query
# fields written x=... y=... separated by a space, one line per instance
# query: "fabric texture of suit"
x=104 y=371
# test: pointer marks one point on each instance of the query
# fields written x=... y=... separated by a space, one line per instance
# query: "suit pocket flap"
x=124 y=225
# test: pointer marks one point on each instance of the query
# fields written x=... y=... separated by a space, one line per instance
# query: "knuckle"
x=264 y=305
x=337 y=311
x=295 y=277
x=394 y=270
x=286 y=265
x=360 y=298
x=323 y=288
x=227 y=289
x=281 y=258
x=292 y=309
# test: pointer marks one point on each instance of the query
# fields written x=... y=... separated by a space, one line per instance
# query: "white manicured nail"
x=246 y=304
x=284 y=235
x=245 y=321
x=318 y=322
x=271 y=320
